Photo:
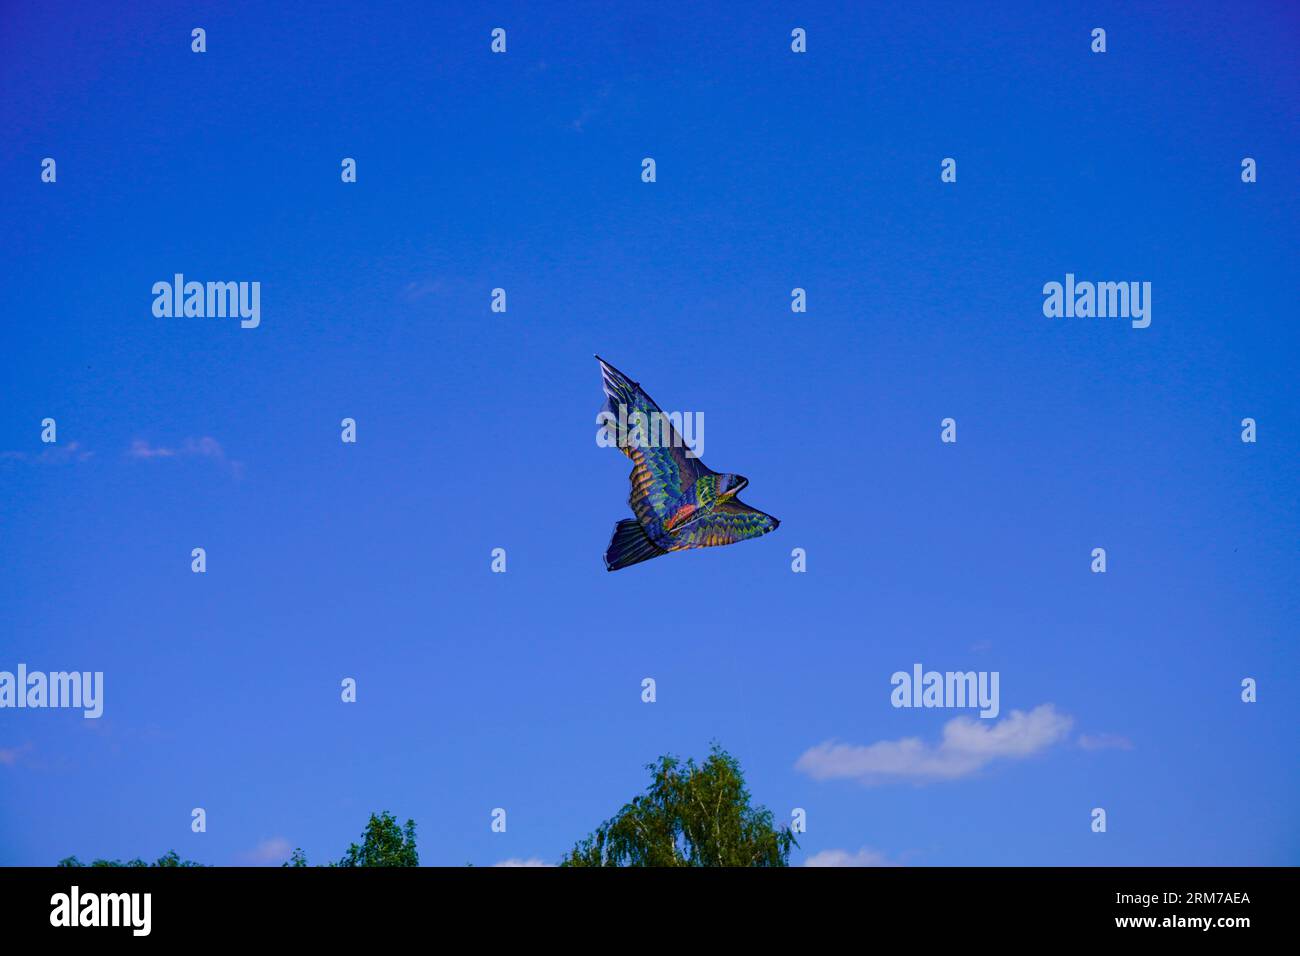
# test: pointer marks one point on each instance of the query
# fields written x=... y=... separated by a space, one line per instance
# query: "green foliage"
x=170 y=858
x=690 y=816
x=383 y=843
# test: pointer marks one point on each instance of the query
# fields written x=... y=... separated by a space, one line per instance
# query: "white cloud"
x=9 y=755
x=968 y=745
x=864 y=857
x=516 y=861
x=205 y=447
x=142 y=449
x=1104 y=742
x=590 y=109
x=55 y=454
x=421 y=288
x=270 y=852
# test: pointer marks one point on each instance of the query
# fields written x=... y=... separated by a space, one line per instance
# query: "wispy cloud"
x=205 y=447
x=864 y=857
x=9 y=755
x=55 y=454
x=516 y=861
x=967 y=746
x=590 y=109
x=270 y=852
x=142 y=449
x=1104 y=742
x=419 y=289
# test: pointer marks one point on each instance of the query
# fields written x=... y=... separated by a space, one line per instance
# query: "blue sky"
x=476 y=430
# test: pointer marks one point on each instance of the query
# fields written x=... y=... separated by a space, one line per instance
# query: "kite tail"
x=629 y=545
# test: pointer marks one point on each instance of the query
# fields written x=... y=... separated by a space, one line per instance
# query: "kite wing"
x=660 y=474
x=726 y=523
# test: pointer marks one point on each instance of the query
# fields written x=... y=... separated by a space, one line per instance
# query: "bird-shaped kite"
x=678 y=502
